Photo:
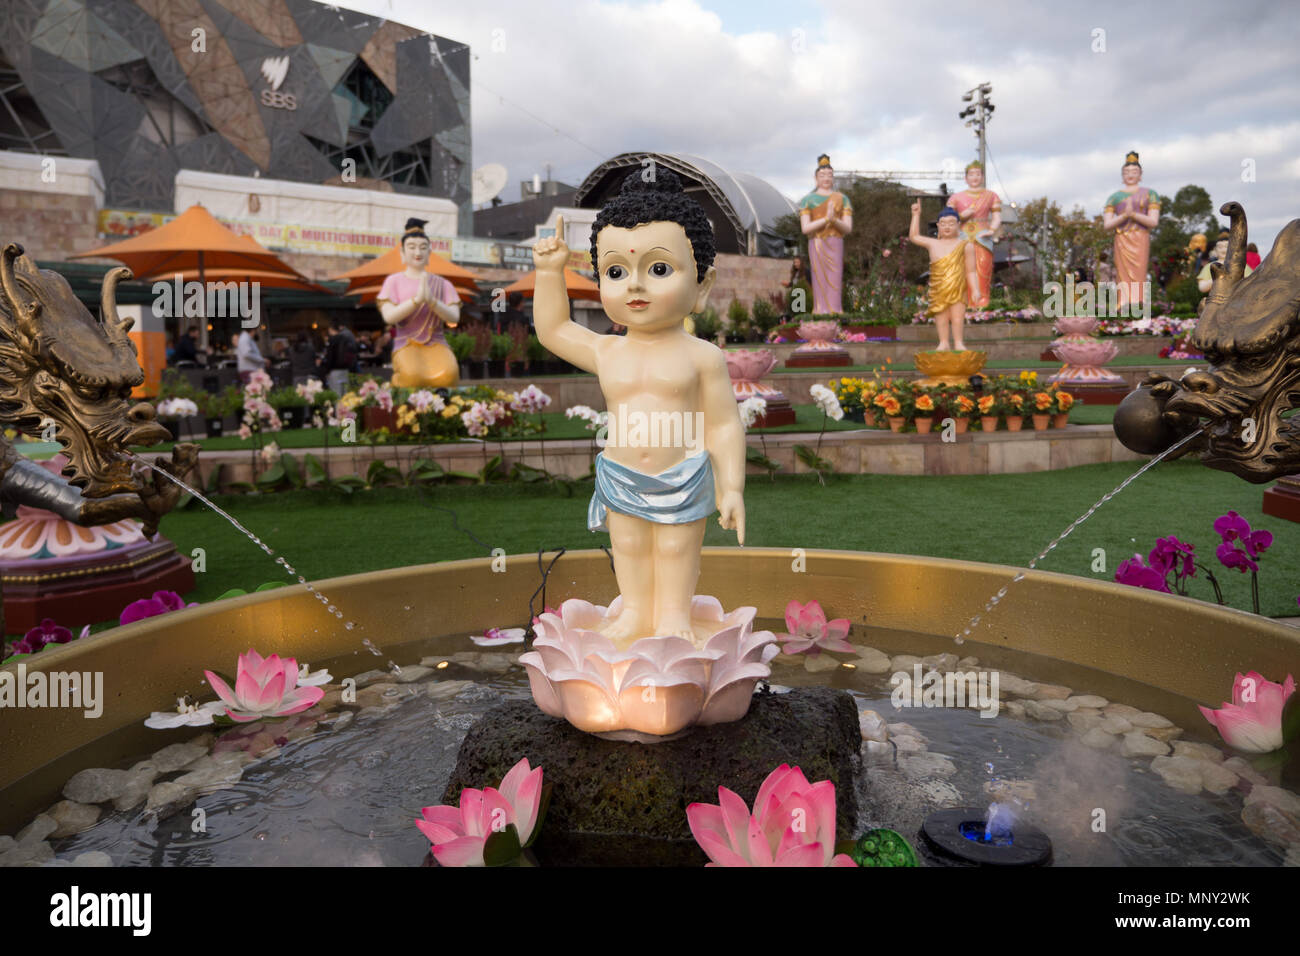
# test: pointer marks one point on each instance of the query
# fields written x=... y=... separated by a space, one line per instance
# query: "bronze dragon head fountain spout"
x=61 y=367
x=1249 y=332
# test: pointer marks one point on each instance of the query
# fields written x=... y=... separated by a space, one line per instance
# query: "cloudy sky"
x=1207 y=93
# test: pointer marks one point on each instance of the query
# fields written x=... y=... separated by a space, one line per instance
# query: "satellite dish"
x=488 y=181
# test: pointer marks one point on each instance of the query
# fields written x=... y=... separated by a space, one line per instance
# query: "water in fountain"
x=330 y=608
x=1002 y=591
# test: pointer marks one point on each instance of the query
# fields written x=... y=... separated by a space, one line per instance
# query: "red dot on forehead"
x=631 y=250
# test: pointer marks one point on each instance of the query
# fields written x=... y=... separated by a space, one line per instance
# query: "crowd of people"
x=341 y=352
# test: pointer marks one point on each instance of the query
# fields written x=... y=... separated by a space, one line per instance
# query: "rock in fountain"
x=621 y=804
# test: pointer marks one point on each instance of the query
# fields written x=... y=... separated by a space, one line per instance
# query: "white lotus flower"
x=185 y=715
x=309 y=678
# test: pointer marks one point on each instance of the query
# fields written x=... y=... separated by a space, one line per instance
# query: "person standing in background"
x=248 y=357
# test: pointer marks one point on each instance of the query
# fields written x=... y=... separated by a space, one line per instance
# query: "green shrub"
x=707 y=323
x=461 y=345
x=766 y=315
x=500 y=350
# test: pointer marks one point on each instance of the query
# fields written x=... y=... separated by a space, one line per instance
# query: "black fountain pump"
x=957 y=837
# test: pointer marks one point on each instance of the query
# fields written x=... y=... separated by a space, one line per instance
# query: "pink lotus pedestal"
x=1083 y=354
x=652 y=688
x=819 y=350
x=746 y=367
x=53 y=568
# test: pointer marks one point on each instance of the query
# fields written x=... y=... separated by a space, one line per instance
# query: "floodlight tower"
x=978 y=113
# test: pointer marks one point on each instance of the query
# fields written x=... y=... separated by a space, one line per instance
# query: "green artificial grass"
x=1005 y=519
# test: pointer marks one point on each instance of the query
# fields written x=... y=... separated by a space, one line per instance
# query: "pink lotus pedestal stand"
x=1084 y=354
x=746 y=367
x=820 y=350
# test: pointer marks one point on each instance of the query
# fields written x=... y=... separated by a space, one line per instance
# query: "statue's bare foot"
x=943 y=347
x=961 y=347
x=675 y=625
x=628 y=623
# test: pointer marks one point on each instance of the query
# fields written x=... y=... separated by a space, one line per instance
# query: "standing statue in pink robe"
x=826 y=218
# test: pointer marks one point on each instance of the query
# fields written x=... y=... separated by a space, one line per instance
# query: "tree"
x=1189 y=212
x=1061 y=242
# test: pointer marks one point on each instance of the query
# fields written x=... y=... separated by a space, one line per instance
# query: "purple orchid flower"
x=1136 y=573
x=1232 y=557
x=1233 y=527
x=47 y=632
x=160 y=603
x=1165 y=556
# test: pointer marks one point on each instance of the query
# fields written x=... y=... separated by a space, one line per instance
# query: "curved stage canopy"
x=742 y=207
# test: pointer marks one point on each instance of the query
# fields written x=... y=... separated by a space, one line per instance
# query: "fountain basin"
x=1185 y=650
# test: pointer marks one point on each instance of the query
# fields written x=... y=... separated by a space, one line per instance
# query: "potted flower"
x=1064 y=402
x=923 y=409
x=849 y=393
x=1042 y=410
x=989 y=408
x=891 y=401
x=290 y=405
x=172 y=410
x=1013 y=401
x=960 y=406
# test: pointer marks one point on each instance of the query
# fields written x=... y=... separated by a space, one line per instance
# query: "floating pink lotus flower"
x=810 y=631
x=264 y=687
x=793 y=824
x=1252 y=723
x=160 y=603
x=508 y=818
x=657 y=685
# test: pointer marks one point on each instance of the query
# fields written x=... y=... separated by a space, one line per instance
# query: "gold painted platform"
x=949 y=368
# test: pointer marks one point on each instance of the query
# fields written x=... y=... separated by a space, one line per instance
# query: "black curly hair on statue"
x=661 y=199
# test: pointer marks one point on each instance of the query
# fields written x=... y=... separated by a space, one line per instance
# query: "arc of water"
x=1002 y=592
x=329 y=608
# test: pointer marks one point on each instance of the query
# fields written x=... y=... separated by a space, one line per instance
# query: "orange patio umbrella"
x=193 y=242
x=576 y=286
x=381 y=267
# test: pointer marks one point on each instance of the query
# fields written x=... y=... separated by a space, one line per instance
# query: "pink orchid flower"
x=1252 y=723
x=810 y=631
x=459 y=834
x=264 y=687
x=161 y=603
x=793 y=824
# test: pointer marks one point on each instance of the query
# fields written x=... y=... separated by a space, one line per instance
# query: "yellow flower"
x=451 y=411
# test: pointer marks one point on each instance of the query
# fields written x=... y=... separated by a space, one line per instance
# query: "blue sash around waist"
x=682 y=494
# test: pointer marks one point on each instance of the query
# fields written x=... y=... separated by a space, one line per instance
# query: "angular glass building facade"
x=280 y=89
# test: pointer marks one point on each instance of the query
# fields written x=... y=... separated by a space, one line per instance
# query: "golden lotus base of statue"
x=949 y=368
